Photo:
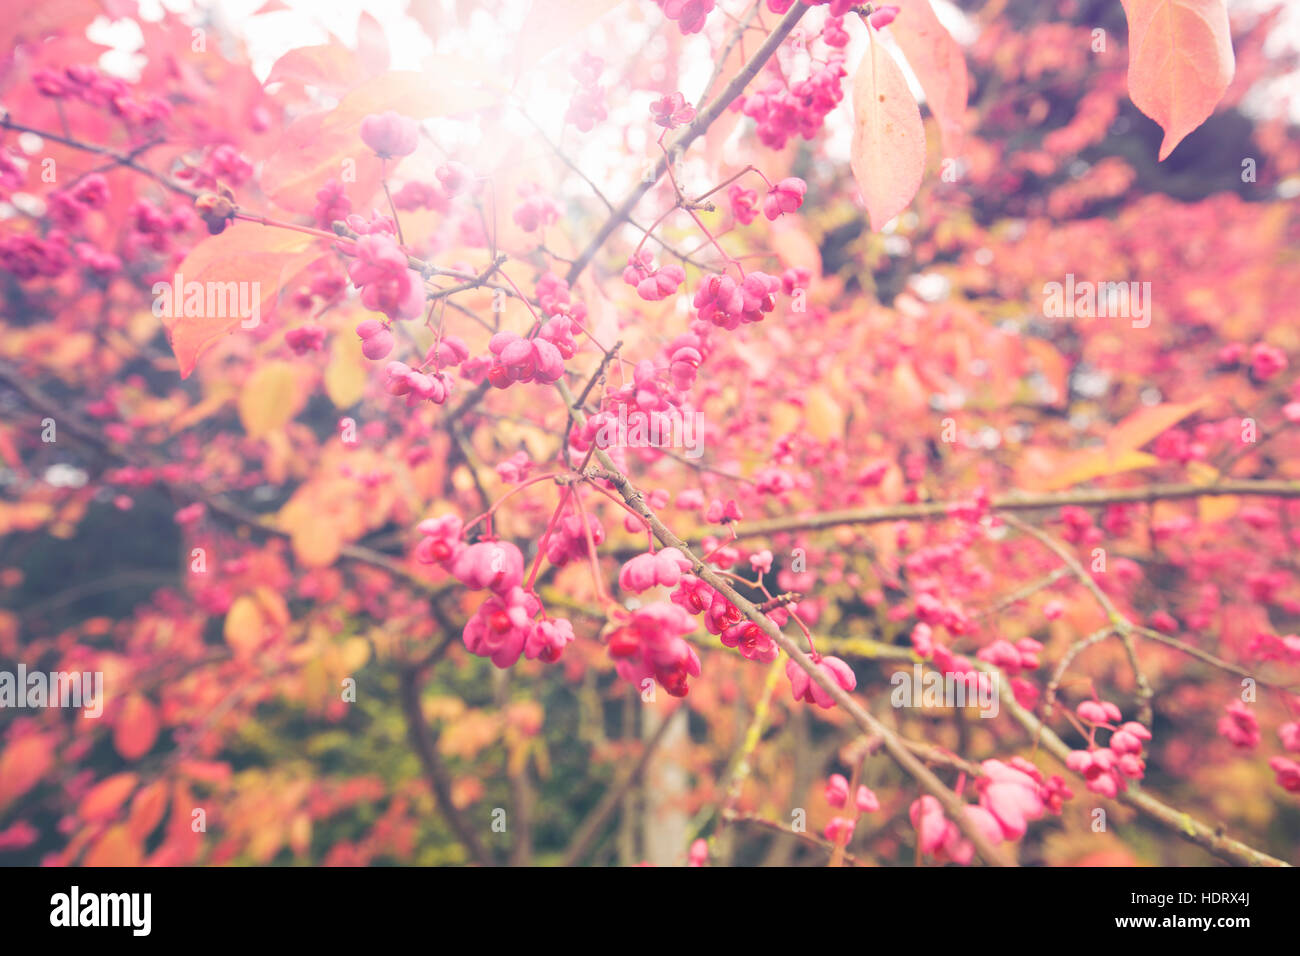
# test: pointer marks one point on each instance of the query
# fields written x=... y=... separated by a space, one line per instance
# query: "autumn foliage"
x=561 y=444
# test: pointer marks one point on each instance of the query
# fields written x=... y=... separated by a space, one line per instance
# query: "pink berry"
x=390 y=134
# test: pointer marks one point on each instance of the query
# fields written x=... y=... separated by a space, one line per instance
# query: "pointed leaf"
x=347 y=372
x=23 y=762
x=147 y=809
x=552 y=23
x=940 y=66
x=104 y=799
x=256 y=259
x=1146 y=423
x=324 y=146
x=372 y=44
x=1180 y=62
x=888 y=155
x=136 y=728
x=331 y=67
x=115 y=848
x=244 y=628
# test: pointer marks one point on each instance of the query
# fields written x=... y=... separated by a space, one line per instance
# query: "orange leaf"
x=316 y=543
x=9 y=450
x=1053 y=367
x=22 y=764
x=313 y=150
x=115 y=848
x=136 y=728
x=888 y=154
x=1180 y=62
x=328 y=145
x=940 y=66
x=104 y=799
x=252 y=261
x=147 y=809
x=329 y=67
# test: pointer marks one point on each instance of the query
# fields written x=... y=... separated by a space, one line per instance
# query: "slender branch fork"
x=905 y=753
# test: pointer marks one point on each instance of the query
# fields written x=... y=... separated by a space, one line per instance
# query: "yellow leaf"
x=270 y=399
x=206 y=408
x=785 y=418
x=347 y=372
x=1079 y=468
x=1146 y=423
x=278 y=457
x=316 y=540
x=300 y=833
x=274 y=610
x=823 y=415
x=353 y=654
x=244 y=626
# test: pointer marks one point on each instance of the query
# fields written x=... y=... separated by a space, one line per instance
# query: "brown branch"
x=424 y=743
x=1089 y=497
x=932 y=753
x=861 y=716
x=1211 y=839
x=1063 y=665
x=564 y=158
x=1206 y=657
x=120 y=159
x=753 y=819
x=720 y=61
x=44 y=404
x=1120 y=624
x=1021 y=594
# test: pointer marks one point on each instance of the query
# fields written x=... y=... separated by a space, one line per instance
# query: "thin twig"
x=1211 y=839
